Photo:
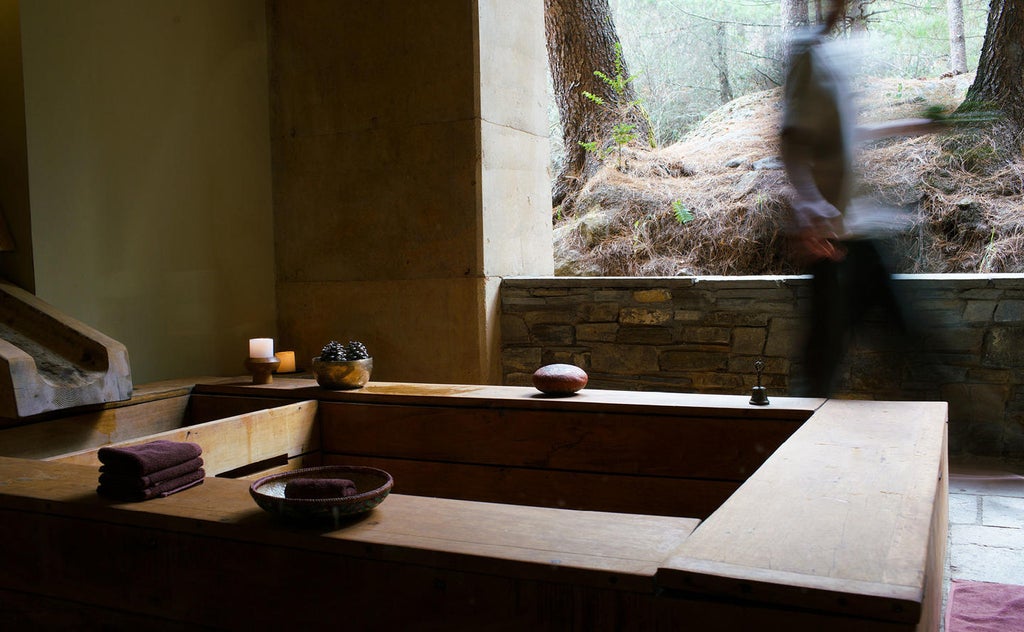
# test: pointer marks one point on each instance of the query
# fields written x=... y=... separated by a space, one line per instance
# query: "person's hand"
x=811 y=247
x=814 y=211
x=816 y=236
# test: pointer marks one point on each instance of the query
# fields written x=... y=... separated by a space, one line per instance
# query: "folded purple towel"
x=185 y=483
x=160 y=490
x=146 y=458
x=316 y=488
x=126 y=481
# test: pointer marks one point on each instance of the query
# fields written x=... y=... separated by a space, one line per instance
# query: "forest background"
x=710 y=196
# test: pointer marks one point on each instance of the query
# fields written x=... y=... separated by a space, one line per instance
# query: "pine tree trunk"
x=999 y=80
x=858 y=15
x=581 y=38
x=957 y=44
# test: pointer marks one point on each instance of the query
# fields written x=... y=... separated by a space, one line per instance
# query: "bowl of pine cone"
x=343 y=366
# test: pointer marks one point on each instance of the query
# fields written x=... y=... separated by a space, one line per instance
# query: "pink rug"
x=984 y=607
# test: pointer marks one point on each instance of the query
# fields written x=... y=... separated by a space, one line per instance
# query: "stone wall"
x=703 y=334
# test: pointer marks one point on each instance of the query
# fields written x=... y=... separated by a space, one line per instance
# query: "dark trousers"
x=842 y=293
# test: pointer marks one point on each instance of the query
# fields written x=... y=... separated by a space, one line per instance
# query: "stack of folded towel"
x=150 y=470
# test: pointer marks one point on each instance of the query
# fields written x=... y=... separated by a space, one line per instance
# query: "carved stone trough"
x=50 y=361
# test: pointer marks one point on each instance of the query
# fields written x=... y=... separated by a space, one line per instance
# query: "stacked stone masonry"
x=704 y=334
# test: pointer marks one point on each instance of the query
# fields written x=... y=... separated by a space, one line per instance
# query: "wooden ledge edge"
x=889 y=602
x=671 y=404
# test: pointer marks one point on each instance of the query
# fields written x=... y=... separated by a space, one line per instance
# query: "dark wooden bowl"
x=373 y=486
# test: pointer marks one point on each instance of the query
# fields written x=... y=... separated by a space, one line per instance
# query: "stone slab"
x=964 y=509
x=1002 y=511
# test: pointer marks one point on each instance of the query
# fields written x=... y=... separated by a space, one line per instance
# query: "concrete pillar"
x=410 y=174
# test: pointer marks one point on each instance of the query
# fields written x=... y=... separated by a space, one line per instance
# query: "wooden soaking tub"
x=510 y=510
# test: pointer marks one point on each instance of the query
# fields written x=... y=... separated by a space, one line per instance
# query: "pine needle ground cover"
x=716 y=202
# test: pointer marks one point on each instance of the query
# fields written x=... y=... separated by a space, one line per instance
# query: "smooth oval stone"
x=559 y=379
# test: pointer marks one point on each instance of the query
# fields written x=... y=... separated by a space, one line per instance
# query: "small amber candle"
x=287 y=359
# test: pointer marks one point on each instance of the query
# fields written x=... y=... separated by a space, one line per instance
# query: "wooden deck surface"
x=590 y=547
x=839 y=518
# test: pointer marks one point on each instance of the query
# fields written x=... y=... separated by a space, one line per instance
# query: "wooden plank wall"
x=636 y=463
x=204 y=408
x=93 y=429
x=153 y=408
x=186 y=580
x=228 y=444
x=932 y=605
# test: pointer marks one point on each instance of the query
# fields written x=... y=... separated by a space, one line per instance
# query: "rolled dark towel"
x=127 y=481
x=160 y=490
x=315 y=488
x=146 y=458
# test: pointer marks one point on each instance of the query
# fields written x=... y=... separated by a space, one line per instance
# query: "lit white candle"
x=287 y=359
x=261 y=347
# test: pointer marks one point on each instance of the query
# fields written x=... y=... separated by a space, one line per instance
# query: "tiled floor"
x=986 y=521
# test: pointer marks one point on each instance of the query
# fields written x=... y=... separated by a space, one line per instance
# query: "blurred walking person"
x=838 y=248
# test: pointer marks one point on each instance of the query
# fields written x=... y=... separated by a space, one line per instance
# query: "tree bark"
x=722 y=65
x=581 y=38
x=858 y=15
x=999 y=79
x=794 y=14
x=957 y=43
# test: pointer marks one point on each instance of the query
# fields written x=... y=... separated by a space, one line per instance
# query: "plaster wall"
x=408 y=177
x=149 y=175
x=15 y=265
